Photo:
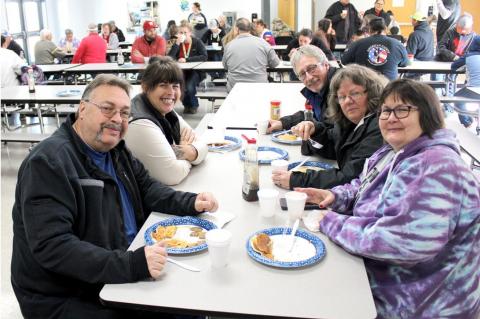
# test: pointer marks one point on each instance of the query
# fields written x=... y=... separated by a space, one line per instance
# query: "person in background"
x=10 y=66
x=231 y=35
x=81 y=193
x=394 y=34
x=345 y=19
x=355 y=136
x=157 y=135
x=281 y=29
x=92 y=48
x=117 y=31
x=378 y=11
x=305 y=36
x=247 y=58
x=472 y=62
x=214 y=36
x=378 y=51
x=69 y=43
x=393 y=22
x=110 y=38
x=149 y=45
x=312 y=68
x=189 y=49
x=46 y=51
x=222 y=24
x=12 y=45
x=263 y=32
x=455 y=42
x=413 y=212
x=420 y=42
x=166 y=34
x=448 y=14
x=172 y=38
x=326 y=33
x=198 y=20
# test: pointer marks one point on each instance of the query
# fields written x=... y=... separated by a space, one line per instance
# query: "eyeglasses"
x=400 y=112
x=311 y=68
x=110 y=111
x=354 y=96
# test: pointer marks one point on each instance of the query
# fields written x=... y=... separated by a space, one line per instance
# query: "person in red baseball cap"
x=149 y=45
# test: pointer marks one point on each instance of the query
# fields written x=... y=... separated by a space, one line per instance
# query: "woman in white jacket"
x=157 y=135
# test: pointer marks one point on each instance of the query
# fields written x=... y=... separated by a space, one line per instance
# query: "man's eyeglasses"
x=110 y=111
x=354 y=96
x=400 y=112
x=311 y=68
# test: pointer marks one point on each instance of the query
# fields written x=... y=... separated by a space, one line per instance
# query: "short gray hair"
x=309 y=51
x=465 y=21
x=45 y=33
x=243 y=25
x=106 y=79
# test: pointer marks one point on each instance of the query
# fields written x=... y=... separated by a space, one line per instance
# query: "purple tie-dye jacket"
x=418 y=227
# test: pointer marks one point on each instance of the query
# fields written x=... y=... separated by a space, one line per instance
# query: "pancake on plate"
x=263 y=245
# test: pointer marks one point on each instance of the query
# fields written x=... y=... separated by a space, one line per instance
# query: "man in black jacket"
x=81 y=197
x=345 y=20
x=420 y=42
x=455 y=42
x=311 y=66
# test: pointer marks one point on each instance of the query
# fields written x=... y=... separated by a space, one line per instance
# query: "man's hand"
x=182 y=60
x=281 y=178
x=187 y=136
x=156 y=256
x=304 y=130
x=322 y=197
x=206 y=202
x=274 y=125
x=343 y=15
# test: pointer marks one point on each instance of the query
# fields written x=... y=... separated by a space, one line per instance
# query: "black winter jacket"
x=68 y=226
x=349 y=147
x=198 y=52
x=338 y=24
x=420 y=42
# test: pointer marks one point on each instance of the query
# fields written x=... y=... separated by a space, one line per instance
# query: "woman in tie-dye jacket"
x=414 y=213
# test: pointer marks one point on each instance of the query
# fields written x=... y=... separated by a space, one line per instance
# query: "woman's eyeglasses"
x=400 y=112
x=354 y=96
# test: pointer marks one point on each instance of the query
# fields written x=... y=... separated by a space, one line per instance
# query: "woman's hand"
x=322 y=197
x=304 y=129
x=281 y=178
x=187 y=136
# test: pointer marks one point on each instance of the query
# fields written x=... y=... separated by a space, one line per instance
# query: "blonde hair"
x=232 y=34
x=186 y=24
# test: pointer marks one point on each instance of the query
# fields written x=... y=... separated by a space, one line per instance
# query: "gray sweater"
x=46 y=51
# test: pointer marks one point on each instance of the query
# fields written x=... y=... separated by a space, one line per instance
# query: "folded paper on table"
x=219 y=218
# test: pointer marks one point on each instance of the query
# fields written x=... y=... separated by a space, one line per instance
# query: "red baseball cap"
x=149 y=25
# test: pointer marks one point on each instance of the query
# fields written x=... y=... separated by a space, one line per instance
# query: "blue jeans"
x=466 y=120
x=192 y=78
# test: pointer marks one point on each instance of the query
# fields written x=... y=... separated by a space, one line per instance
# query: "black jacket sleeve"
x=121 y=37
x=291 y=120
x=348 y=55
x=200 y=52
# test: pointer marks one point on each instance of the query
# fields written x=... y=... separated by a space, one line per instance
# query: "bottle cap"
x=249 y=140
x=308 y=106
x=275 y=103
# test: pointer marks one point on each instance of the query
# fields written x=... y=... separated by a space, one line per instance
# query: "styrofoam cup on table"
x=296 y=204
x=262 y=127
x=279 y=165
x=268 y=200
x=218 y=242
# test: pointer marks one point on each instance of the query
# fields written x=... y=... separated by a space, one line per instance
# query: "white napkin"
x=312 y=220
x=219 y=218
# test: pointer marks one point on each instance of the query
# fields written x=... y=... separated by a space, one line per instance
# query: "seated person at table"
x=305 y=36
x=117 y=31
x=262 y=32
x=92 y=48
x=81 y=198
x=214 y=35
x=355 y=136
x=247 y=57
x=157 y=135
x=149 y=45
x=413 y=214
x=10 y=67
x=69 y=43
x=46 y=50
x=455 y=42
x=379 y=52
x=472 y=61
x=326 y=33
x=394 y=34
x=312 y=68
x=420 y=41
x=189 y=49
x=111 y=39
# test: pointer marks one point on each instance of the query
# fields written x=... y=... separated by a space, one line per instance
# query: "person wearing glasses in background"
x=353 y=103
x=378 y=11
x=80 y=200
x=413 y=214
x=311 y=66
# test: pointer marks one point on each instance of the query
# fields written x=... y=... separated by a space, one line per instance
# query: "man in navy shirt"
x=379 y=52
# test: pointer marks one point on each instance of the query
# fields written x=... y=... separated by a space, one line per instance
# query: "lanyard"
x=186 y=54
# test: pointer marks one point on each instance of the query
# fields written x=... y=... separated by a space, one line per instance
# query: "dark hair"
x=420 y=95
x=197 y=4
x=170 y=23
x=377 y=25
x=324 y=24
x=394 y=30
x=3 y=40
x=389 y=12
x=261 y=22
x=306 y=33
x=371 y=81
x=243 y=24
x=161 y=69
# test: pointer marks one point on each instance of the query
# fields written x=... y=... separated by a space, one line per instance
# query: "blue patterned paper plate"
x=233 y=144
x=67 y=93
x=282 y=154
x=314 y=240
x=311 y=164
x=177 y=221
x=276 y=137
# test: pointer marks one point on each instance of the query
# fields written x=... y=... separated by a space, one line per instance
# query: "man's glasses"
x=353 y=96
x=311 y=68
x=110 y=111
x=400 y=112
